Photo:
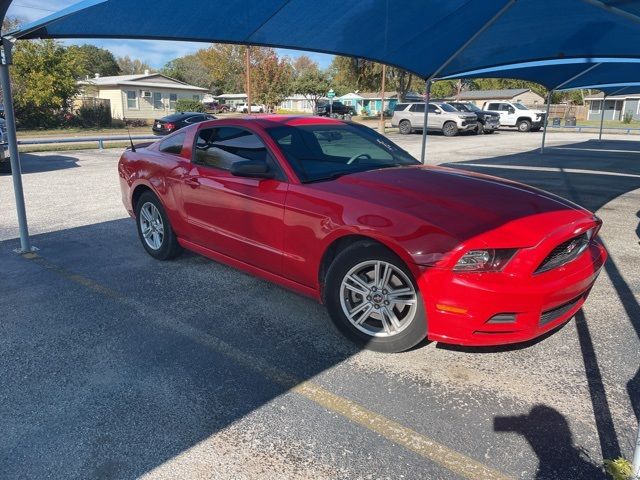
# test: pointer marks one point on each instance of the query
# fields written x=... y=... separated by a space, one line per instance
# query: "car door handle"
x=193 y=182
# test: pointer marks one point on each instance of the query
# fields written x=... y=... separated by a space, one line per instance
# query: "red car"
x=397 y=251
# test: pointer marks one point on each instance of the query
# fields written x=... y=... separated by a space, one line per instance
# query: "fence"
x=100 y=140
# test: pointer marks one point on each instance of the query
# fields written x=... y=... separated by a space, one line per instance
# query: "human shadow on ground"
x=30 y=163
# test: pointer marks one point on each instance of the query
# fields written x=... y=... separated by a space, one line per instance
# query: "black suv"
x=338 y=108
x=488 y=122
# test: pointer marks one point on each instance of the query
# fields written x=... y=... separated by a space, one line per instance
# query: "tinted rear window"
x=400 y=106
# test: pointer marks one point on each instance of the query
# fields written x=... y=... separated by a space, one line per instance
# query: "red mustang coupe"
x=396 y=250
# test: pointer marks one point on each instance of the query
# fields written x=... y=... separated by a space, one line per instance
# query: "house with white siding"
x=144 y=96
x=615 y=106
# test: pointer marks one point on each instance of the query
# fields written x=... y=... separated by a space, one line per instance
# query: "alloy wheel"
x=378 y=298
x=151 y=225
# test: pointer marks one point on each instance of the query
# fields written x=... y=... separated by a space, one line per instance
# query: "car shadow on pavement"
x=45 y=163
x=114 y=363
x=559 y=458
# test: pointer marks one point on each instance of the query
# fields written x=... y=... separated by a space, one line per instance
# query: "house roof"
x=489 y=94
x=155 y=81
x=599 y=96
x=376 y=95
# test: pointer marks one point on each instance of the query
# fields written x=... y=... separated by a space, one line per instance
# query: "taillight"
x=169 y=126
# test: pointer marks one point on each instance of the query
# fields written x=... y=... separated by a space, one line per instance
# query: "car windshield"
x=324 y=152
x=520 y=106
x=446 y=107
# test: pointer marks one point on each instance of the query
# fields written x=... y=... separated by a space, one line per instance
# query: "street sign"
x=331 y=94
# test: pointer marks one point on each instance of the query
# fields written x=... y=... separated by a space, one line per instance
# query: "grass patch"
x=78 y=132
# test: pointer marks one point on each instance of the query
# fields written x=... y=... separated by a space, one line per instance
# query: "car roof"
x=270 y=120
x=177 y=116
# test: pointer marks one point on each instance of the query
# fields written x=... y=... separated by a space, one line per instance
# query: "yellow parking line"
x=390 y=430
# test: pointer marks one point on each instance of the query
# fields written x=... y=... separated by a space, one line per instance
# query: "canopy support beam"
x=614 y=10
x=557 y=87
x=455 y=54
x=16 y=172
x=604 y=103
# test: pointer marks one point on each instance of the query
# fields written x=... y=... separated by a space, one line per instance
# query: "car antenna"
x=133 y=147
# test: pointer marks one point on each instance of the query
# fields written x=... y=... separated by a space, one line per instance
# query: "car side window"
x=432 y=109
x=195 y=119
x=504 y=107
x=494 y=106
x=223 y=146
x=418 y=108
x=172 y=144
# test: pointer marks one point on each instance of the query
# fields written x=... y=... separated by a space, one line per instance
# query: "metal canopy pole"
x=446 y=64
x=16 y=173
x=604 y=103
x=546 y=119
x=636 y=456
x=427 y=97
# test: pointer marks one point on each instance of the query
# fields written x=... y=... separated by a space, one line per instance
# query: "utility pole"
x=384 y=76
x=247 y=69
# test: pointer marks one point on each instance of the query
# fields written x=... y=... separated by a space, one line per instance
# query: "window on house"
x=173 y=144
x=196 y=98
x=157 y=101
x=173 y=98
x=596 y=106
x=132 y=100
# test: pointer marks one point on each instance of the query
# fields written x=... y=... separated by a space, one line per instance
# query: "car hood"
x=465 y=205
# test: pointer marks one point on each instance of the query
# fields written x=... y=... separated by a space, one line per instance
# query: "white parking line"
x=547 y=169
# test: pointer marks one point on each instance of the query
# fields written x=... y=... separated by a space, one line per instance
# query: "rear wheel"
x=154 y=230
x=450 y=129
x=489 y=132
x=523 y=125
x=373 y=300
x=405 y=127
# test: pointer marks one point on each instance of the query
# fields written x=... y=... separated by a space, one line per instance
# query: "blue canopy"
x=566 y=74
x=420 y=36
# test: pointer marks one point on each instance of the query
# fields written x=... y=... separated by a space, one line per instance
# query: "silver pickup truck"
x=5 y=166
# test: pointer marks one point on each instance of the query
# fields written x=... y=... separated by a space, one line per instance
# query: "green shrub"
x=89 y=116
x=187 y=105
x=135 y=122
x=628 y=117
x=619 y=469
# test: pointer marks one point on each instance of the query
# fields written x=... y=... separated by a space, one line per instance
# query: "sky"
x=154 y=53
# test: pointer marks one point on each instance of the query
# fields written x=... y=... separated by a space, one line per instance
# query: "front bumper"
x=537 y=303
x=491 y=125
x=466 y=125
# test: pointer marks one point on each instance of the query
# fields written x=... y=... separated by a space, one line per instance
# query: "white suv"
x=243 y=108
x=515 y=114
x=409 y=117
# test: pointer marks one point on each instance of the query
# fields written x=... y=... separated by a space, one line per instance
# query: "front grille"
x=551 y=315
x=564 y=253
x=468 y=122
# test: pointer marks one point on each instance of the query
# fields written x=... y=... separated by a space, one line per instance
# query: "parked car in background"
x=176 y=121
x=338 y=212
x=515 y=114
x=409 y=117
x=325 y=109
x=488 y=122
x=255 y=108
x=5 y=166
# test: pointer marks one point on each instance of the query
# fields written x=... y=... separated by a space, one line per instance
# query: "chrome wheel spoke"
x=378 y=298
x=146 y=232
x=146 y=214
x=151 y=225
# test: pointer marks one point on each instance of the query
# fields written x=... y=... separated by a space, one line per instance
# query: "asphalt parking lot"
x=114 y=365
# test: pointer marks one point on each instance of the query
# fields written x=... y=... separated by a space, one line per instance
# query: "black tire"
x=523 y=126
x=450 y=129
x=169 y=247
x=535 y=129
x=416 y=327
x=489 y=132
x=5 y=166
x=404 y=127
x=480 y=129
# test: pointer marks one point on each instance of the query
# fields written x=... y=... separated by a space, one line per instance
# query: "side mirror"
x=251 y=169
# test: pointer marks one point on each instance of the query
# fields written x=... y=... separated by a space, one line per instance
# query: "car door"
x=238 y=217
x=416 y=115
x=503 y=111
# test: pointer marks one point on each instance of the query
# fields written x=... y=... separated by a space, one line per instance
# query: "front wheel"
x=154 y=230
x=524 y=126
x=450 y=129
x=373 y=300
x=404 y=127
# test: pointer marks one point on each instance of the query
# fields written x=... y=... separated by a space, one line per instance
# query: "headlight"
x=491 y=260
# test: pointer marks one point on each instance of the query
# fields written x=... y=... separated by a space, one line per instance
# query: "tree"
x=189 y=69
x=129 y=66
x=225 y=66
x=44 y=81
x=313 y=84
x=303 y=64
x=271 y=79
x=95 y=60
